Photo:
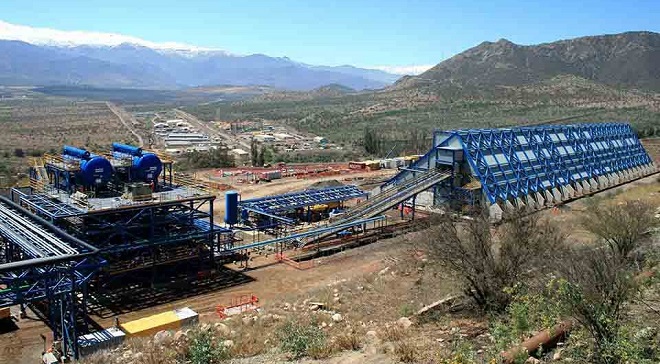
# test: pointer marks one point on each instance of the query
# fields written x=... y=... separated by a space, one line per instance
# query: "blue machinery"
x=77 y=169
x=54 y=251
x=271 y=207
x=143 y=166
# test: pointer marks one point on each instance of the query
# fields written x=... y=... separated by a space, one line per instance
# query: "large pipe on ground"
x=545 y=339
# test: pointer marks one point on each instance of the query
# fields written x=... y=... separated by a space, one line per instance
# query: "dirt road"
x=127 y=119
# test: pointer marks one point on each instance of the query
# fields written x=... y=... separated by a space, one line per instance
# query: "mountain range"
x=47 y=57
x=628 y=60
x=43 y=57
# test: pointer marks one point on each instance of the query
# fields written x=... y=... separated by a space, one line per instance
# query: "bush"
x=621 y=227
x=392 y=333
x=349 y=341
x=406 y=310
x=599 y=284
x=215 y=158
x=406 y=352
x=300 y=340
x=204 y=350
x=491 y=263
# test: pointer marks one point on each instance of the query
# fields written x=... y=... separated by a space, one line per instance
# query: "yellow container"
x=319 y=207
x=333 y=205
x=149 y=326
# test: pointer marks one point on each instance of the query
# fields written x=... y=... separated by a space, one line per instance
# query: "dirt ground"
x=271 y=282
x=274 y=283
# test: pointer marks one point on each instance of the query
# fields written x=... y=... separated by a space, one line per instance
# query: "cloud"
x=405 y=70
x=54 y=37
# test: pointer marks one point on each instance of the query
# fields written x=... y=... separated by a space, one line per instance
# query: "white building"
x=264 y=138
x=283 y=136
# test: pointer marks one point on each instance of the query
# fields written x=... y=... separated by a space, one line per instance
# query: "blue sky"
x=359 y=32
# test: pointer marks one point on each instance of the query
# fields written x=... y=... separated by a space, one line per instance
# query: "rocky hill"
x=627 y=60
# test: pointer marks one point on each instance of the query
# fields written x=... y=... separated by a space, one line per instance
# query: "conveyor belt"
x=386 y=200
x=33 y=239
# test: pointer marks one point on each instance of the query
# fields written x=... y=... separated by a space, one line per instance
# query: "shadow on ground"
x=122 y=296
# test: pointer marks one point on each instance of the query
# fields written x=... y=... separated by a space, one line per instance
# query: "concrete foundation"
x=495 y=213
x=549 y=199
x=567 y=192
x=578 y=190
x=531 y=202
x=540 y=201
x=557 y=195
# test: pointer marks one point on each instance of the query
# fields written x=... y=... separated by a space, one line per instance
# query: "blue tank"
x=147 y=167
x=231 y=207
x=94 y=169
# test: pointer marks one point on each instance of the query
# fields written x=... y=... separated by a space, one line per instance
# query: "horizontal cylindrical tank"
x=147 y=167
x=231 y=207
x=94 y=169
x=75 y=152
x=126 y=149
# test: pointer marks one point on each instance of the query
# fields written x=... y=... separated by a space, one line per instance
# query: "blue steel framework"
x=512 y=164
x=143 y=235
x=39 y=263
x=271 y=205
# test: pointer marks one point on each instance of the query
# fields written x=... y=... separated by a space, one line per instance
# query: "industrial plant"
x=94 y=220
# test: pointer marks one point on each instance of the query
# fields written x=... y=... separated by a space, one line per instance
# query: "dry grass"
x=43 y=125
x=349 y=341
x=321 y=351
x=406 y=352
x=251 y=340
x=150 y=353
x=392 y=333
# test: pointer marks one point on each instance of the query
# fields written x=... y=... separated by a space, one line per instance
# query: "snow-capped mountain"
x=63 y=38
x=43 y=56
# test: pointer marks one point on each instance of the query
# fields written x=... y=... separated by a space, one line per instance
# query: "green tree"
x=372 y=141
x=254 y=152
x=260 y=157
